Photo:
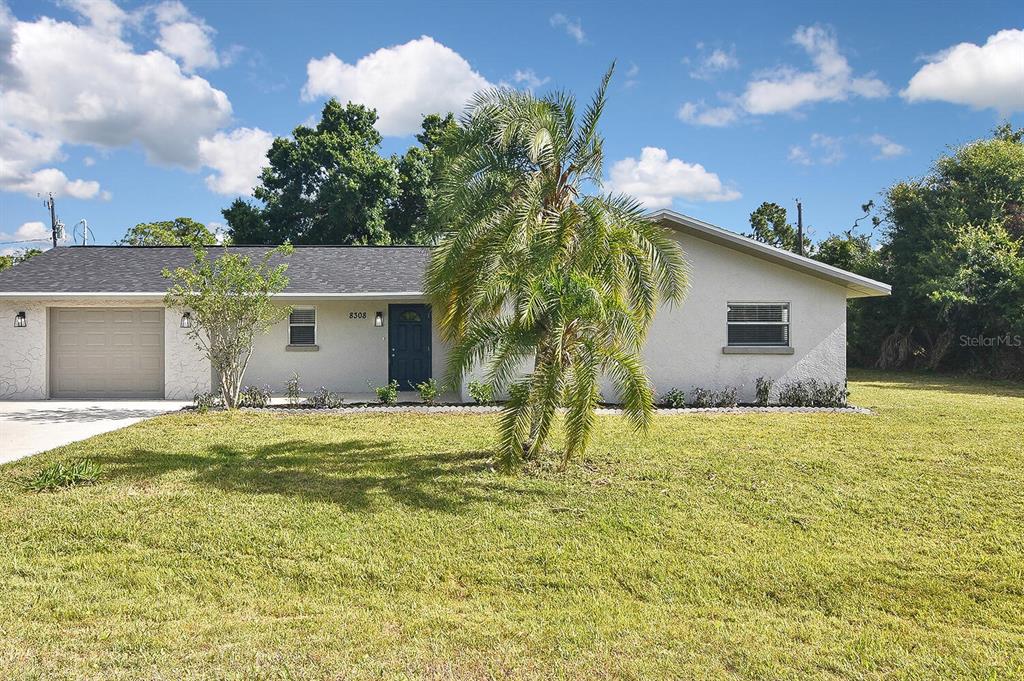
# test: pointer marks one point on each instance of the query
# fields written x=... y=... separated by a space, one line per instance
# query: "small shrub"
x=254 y=396
x=322 y=398
x=701 y=398
x=828 y=394
x=674 y=399
x=482 y=393
x=726 y=397
x=59 y=476
x=204 y=402
x=812 y=393
x=293 y=390
x=763 y=391
x=428 y=391
x=795 y=394
x=386 y=394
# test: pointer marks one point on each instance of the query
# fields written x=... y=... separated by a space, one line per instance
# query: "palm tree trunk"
x=529 y=447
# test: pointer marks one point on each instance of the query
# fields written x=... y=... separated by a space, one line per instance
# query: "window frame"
x=768 y=348
x=315 y=324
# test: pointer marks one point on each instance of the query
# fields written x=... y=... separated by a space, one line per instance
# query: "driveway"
x=28 y=428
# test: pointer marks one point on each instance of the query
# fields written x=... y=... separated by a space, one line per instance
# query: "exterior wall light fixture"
x=19 y=320
x=186 y=320
x=378 y=319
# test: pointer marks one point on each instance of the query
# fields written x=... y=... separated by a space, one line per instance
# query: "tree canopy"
x=952 y=247
x=13 y=259
x=177 y=232
x=329 y=184
x=770 y=225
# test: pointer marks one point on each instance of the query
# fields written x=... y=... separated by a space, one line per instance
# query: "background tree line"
x=951 y=243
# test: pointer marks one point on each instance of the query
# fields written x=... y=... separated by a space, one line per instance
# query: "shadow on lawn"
x=353 y=474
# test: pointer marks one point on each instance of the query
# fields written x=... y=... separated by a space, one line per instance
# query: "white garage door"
x=107 y=352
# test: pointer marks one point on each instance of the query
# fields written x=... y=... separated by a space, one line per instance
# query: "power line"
x=25 y=241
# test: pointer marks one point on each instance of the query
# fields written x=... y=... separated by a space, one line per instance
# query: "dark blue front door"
x=409 y=340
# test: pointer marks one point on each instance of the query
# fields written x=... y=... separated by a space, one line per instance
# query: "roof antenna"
x=85 y=232
x=799 y=228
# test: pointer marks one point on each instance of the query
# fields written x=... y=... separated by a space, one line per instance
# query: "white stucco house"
x=89 y=322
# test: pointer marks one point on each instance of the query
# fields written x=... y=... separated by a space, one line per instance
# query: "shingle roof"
x=127 y=269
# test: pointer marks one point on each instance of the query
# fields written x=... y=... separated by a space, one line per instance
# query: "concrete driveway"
x=28 y=428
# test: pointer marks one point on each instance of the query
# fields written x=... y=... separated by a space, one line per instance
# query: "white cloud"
x=186 y=37
x=711 y=64
x=886 y=147
x=713 y=116
x=237 y=157
x=798 y=154
x=573 y=27
x=631 y=75
x=8 y=72
x=986 y=76
x=787 y=89
x=29 y=231
x=655 y=180
x=529 y=79
x=103 y=16
x=55 y=181
x=402 y=83
x=823 y=150
x=81 y=87
x=832 y=79
x=22 y=153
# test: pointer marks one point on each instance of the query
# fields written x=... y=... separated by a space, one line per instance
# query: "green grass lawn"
x=747 y=546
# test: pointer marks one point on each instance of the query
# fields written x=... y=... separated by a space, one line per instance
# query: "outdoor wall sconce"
x=378 y=319
x=19 y=320
x=186 y=320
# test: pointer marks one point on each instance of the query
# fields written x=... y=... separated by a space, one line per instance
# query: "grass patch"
x=60 y=475
x=366 y=546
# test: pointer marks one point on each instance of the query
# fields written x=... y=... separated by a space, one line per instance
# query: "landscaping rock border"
x=491 y=409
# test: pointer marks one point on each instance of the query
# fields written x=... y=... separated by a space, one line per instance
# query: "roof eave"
x=856 y=285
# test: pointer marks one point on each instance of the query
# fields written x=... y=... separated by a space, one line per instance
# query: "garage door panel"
x=151 y=340
x=106 y=352
x=150 y=365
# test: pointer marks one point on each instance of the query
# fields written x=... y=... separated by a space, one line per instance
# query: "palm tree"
x=530 y=267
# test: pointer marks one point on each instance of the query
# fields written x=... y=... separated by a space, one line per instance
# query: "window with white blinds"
x=302 y=326
x=762 y=324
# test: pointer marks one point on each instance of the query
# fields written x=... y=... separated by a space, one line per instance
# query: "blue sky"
x=135 y=112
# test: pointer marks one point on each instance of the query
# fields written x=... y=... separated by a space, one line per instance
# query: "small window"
x=410 y=316
x=761 y=324
x=302 y=326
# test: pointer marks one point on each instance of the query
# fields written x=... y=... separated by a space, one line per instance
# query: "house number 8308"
x=357 y=315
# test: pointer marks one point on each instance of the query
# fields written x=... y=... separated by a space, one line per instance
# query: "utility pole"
x=49 y=203
x=799 y=228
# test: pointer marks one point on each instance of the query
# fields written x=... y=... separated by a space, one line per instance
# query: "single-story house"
x=89 y=322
